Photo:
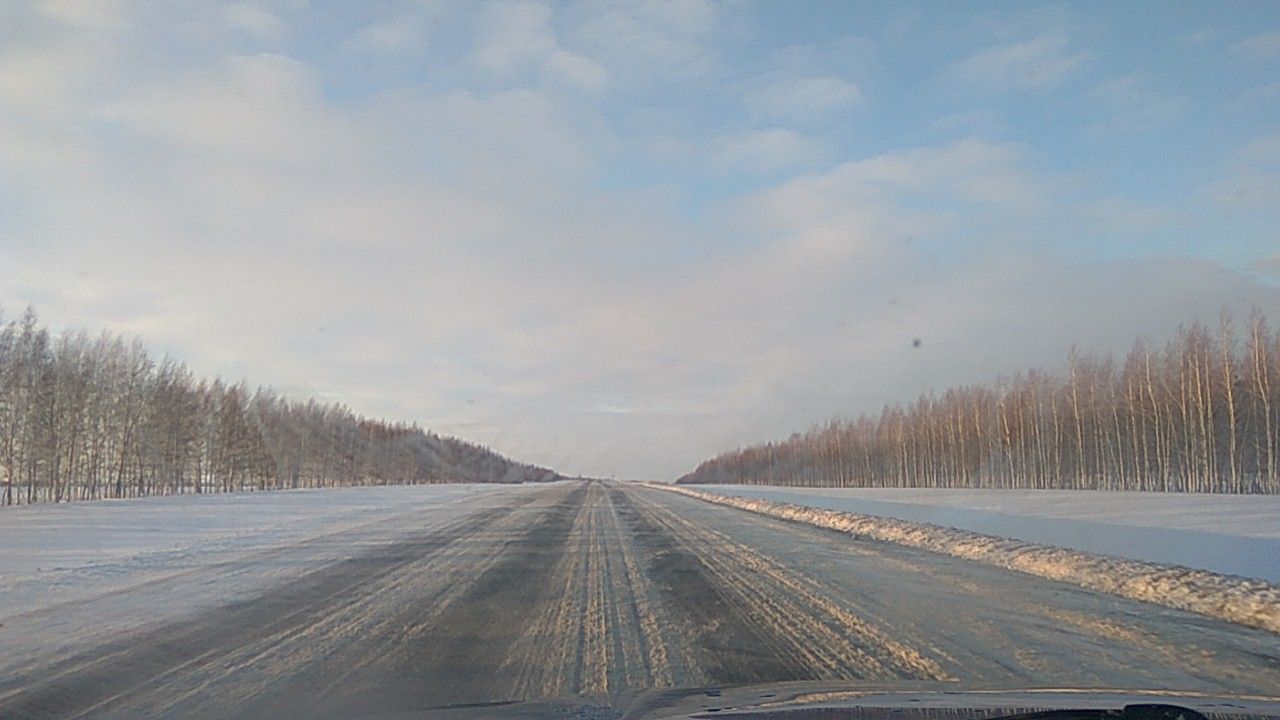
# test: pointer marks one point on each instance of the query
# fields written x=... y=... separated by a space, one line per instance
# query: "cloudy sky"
x=616 y=238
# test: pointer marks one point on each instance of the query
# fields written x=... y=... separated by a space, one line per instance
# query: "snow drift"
x=1255 y=603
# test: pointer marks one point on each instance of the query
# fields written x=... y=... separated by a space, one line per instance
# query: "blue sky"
x=620 y=237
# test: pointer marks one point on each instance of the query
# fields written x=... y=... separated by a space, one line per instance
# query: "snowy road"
x=590 y=590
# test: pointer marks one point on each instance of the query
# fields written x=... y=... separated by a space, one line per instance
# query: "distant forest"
x=1200 y=415
x=86 y=418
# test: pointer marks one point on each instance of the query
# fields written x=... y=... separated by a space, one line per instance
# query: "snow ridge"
x=1246 y=601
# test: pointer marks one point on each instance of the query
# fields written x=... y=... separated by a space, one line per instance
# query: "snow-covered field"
x=1229 y=534
x=52 y=554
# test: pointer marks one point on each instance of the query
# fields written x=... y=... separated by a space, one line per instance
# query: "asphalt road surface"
x=597 y=591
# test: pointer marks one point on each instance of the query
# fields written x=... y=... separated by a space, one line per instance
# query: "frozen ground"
x=588 y=591
x=1229 y=534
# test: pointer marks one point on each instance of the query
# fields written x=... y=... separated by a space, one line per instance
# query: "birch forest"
x=1201 y=414
x=98 y=417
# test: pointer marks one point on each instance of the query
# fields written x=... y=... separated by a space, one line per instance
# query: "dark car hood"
x=845 y=701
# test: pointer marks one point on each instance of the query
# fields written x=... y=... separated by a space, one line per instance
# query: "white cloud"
x=516 y=40
x=86 y=13
x=646 y=41
x=1259 y=48
x=1267 y=265
x=514 y=37
x=767 y=150
x=984 y=122
x=386 y=36
x=973 y=169
x=577 y=69
x=252 y=18
x=1197 y=38
x=792 y=98
x=1265 y=149
x=31 y=79
x=263 y=106
x=1127 y=218
x=1033 y=64
x=1251 y=180
x=1137 y=104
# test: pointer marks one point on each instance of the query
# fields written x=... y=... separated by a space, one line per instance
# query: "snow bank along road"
x=584 y=589
x=1247 y=601
x=1228 y=534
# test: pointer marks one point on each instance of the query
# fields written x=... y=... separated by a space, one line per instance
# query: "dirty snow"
x=1228 y=534
x=1255 y=603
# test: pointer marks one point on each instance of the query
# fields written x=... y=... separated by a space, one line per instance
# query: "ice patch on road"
x=1226 y=534
x=1255 y=603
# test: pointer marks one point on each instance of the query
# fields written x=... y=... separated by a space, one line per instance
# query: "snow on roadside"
x=1227 y=534
x=1255 y=603
x=80 y=574
x=51 y=554
x=1244 y=515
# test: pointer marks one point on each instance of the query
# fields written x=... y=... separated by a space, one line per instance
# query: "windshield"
x=397 y=358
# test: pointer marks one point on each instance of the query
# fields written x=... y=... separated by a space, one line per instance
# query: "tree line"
x=86 y=418
x=1200 y=415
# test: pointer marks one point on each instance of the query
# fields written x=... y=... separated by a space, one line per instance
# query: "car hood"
x=845 y=701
